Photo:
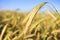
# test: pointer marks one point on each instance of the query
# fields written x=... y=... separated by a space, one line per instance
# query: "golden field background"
x=30 y=25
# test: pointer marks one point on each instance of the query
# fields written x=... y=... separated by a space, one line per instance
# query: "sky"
x=26 y=5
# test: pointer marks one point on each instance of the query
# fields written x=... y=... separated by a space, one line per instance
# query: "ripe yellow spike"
x=30 y=17
x=33 y=12
x=3 y=31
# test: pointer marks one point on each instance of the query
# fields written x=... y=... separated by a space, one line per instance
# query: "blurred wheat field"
x=30 y=26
